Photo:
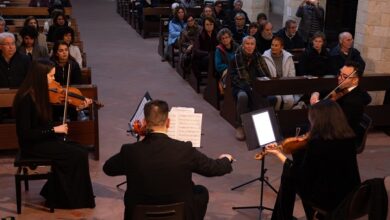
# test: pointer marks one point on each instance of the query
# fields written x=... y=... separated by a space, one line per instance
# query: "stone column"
x=253 y=7
x=372 y=38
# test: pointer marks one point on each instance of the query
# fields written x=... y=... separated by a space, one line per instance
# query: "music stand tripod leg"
x=262 y=180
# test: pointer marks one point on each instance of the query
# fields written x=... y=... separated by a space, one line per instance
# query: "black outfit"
x=158 y=170
x=291 y=43
x=73 y=187
x=239 y=34
x=314 y=63
x=232 y=16
x=13 y=73
x=322 y=175
x=261 y=43
x=338 y=59
x=203 y=46
x=353 y=104
x=54 y=31
x=62 y=72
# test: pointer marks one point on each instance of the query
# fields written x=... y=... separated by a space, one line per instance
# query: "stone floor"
x=125 y=66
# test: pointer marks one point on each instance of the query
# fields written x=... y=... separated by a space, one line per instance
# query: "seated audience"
x=264 y=38
x=253 y=29
x=345 y=51
x=291 y=37
x=224 y=54
x=30 y=45
x=188 y=3
x=219 y=13
x=239 y=29
x=159 y=169
x=186 y=42
x=209 y=12
x=315 y=59
x=261 y=19
x=321 y=178
x=13 y=65
x=204 y=45
x=63 y=60
x=33 y=22
x=237 y=9
x=66 y=34
x=247 y=65
x=280 y=64
x=176 y=25
x=59 y=21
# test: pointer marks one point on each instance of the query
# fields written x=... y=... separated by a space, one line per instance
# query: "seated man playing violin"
x=324 y=166
x=349 y=95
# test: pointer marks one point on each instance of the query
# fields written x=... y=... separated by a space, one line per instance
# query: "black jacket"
x=291 y=43
x=62 y=72
x=13 y=73
x=314 y=63
x=338 y=59
x=159 y=170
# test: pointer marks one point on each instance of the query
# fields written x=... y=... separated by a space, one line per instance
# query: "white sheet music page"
x=185 y=125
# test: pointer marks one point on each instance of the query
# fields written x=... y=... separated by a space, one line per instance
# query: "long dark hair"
x=35 y=84
x=328 y=121
x=28 y=19
x=56 y=45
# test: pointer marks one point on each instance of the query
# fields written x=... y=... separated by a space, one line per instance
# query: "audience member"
x=176 y=25
x=66 y=34
x=209 y=12
x=3 y=25
x=204 y=45
x=237 y=9
x=239 y=29
x=224 y=54
x=59 y=21
x=321 y=178
x=315 y=59
x=264 y=38
x=63 y=61
x=186 y=42
x=159 y=169
x=261 y=19
x=13 y=65
x=188 y=3
x=41 y=39
x=247 y=65
x=291 y=38
x=280 y=64
x=30 y=45
x=253 y=29
x=219 y=13
x=345 y=51
x=312 y=18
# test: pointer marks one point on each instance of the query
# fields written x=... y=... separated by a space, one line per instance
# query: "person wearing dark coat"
x=13 y=65
x=264 y=38
x=63 y=60
x=239 y=29
x=343 y=52
x=220 y=14
x=237 y=8
x=159 y=169
x=30 y=45
x=315 y=59
x=38 y=138
x=325 y=171
x=291 y=38
x=59 y=21
x=312 y=16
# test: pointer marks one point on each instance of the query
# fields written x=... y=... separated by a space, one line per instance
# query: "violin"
x=288 y=146
x=139 y=128
x=75 y=97
x=335 y=95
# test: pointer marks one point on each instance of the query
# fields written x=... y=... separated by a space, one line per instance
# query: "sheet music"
x=185 y=125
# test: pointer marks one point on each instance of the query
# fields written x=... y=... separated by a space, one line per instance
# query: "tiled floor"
x=124 y=66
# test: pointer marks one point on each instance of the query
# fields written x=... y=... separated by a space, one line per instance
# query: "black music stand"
x=261 y=128
x=138 y=115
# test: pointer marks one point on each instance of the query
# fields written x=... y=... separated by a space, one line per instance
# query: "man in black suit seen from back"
x=159 y=169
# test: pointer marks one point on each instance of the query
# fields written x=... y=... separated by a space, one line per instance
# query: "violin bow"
x=66 y=98
x=338 y=86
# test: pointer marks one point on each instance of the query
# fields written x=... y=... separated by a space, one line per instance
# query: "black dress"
x=73 y=187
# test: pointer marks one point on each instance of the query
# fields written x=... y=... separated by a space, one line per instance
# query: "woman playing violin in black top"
x=38 y=138
x=325 y=171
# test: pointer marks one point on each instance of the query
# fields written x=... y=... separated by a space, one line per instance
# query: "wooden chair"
x=25 y=165
x=173 y=211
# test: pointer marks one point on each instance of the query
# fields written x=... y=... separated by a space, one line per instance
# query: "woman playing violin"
x=37 y=137
x=325 y=171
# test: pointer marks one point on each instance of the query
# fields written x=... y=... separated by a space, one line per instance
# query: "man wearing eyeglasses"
x=350 y=96
x=13 y=65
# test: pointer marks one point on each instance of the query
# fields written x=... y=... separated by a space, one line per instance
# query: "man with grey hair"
x=13 y=65
x=343 y=52
x=237 y=8
x=246 y=66
x=239 y=29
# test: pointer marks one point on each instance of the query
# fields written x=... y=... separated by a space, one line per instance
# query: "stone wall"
x=254 y=7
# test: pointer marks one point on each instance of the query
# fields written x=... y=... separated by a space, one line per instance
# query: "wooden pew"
x=290 y=119
x=27 y=11
x=83 y=132
x=211 y=93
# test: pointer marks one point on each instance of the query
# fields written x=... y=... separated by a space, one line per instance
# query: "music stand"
x=261 y=128
x=138 y=115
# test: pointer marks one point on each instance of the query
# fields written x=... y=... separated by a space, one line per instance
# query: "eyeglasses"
x=345 y=75
x=8 y=44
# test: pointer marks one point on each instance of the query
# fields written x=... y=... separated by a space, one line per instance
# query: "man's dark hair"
x=29 y=31
x=277 y=38
x=289 y=22
x=156 y=113
x=261 y=15
x=356 y=67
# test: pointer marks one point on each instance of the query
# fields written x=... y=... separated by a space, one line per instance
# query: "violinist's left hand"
x=85 y=104
x=273 y=149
